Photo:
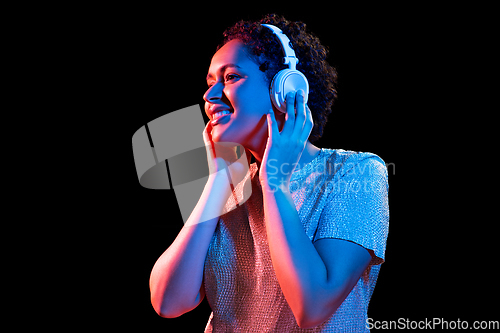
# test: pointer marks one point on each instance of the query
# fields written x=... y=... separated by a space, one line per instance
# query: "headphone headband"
x=286 y=80
x=290 y=59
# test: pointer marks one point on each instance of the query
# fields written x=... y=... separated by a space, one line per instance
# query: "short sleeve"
x=357 y=208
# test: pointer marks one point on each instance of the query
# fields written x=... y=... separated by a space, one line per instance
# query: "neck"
x=309 y=153
x=257 y=145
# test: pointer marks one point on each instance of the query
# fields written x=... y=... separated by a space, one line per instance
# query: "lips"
x=220 y=117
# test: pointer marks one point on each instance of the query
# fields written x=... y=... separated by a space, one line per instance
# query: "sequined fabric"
x=340 y=194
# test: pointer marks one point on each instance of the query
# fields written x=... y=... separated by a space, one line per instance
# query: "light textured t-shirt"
x=339 y=194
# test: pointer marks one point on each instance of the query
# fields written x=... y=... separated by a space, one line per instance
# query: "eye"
x=230 y=77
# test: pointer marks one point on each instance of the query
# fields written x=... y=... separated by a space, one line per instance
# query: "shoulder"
x=341 y=162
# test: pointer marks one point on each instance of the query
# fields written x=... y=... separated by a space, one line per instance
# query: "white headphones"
x=289 y=79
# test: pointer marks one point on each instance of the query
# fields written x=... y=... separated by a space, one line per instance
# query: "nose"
x=214 y=93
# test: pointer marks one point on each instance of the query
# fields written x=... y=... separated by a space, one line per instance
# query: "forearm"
x=298 y=266
x=177 y=275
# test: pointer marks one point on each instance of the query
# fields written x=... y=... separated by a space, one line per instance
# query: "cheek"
x=206 y=109
x=249 y=98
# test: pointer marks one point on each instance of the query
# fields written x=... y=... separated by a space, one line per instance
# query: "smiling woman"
x=236 y=84
x=304 y=251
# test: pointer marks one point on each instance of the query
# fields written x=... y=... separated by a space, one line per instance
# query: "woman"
x=304 y=251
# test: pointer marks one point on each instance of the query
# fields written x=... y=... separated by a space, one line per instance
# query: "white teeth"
x=219 y=114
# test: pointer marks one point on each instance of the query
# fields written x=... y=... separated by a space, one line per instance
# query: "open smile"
x=221 y=117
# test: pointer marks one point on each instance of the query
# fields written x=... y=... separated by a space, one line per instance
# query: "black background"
x=393 y=64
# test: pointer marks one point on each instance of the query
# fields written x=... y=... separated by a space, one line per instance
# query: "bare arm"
x=176 y=281
x=177 y=276
x=315 y=278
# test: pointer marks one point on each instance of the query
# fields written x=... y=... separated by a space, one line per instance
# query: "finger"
x=290 y=114
x=301 y=114
x=249 y=155
x=207 y=139
x=206 y=131
x=272 y=125
x=308 y=126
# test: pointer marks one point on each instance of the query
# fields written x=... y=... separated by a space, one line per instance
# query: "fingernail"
x=302 y=93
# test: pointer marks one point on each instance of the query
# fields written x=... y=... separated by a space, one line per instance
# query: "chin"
x=250 y=135
x=223 y=135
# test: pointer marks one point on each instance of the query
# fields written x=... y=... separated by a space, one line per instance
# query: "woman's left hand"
x=284 y=149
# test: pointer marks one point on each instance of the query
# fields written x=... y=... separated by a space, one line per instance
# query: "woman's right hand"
x=224 y=155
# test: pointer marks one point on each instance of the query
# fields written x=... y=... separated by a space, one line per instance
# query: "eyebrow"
x=222 y=69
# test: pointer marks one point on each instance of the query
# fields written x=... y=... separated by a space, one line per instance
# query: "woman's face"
x=237 y=85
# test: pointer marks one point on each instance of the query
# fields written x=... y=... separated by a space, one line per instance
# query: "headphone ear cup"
x=285 y=81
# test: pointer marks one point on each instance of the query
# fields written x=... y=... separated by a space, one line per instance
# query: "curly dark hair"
x=264 y=49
